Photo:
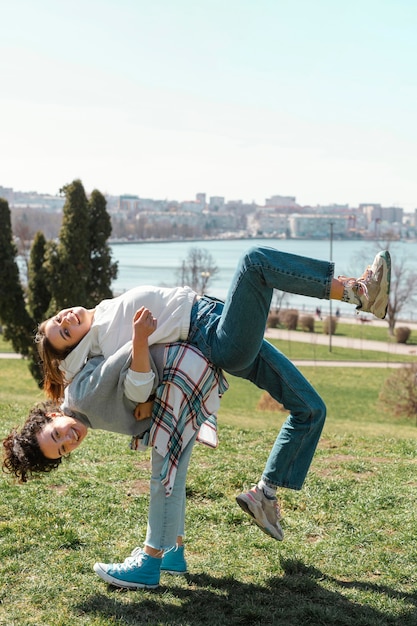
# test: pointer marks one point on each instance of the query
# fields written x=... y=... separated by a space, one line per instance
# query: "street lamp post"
x=205 y=278
x=331 y=317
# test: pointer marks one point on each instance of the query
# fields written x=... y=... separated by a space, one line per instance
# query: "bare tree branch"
x=197 y=270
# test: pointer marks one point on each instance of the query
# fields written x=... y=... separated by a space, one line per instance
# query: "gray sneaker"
x=370 y=292
x=264 y=511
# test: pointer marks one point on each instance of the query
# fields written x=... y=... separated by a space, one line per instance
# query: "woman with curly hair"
x=22 y=453
x=187 y=391
x=231 y=336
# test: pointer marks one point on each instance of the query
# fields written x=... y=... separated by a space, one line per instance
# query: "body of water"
x=159 y=263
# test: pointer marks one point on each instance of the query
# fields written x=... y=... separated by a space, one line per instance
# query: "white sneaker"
x=370 y=292
x=264 y=511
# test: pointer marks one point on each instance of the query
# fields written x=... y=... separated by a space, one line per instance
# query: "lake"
x=152 y=263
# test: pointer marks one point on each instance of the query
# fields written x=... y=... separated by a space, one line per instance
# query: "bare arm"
x=144 y=325
x=140 y=377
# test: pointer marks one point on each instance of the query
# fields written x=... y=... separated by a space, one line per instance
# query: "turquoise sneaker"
x=173 y=561
x=138 y=571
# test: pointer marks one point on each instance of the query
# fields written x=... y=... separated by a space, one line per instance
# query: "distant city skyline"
x=195 y=198
x=240 y=99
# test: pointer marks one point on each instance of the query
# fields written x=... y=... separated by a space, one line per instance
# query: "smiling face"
x=61 y=435
x=66 y=329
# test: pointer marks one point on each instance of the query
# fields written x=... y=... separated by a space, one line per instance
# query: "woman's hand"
x=143 y=410
x=144 y=324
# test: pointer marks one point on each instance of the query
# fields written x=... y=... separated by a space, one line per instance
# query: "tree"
x=102 y=269
x=34 y=220
x=403 y=284
x=197 y=270
x=39 y=295
x=399 y=393
x=68 y=262
x=18 y=325
x=23 y=235
x=280 y=300
x=403 y=281
x=77 y=269
x=403 y=290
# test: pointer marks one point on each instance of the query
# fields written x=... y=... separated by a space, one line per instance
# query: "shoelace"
x=275 y=504
x=362 y=281
x=135 y=557
x=364 y=286
x=175 y=548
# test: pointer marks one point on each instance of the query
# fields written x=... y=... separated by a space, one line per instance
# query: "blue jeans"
x=166 y=517
x=231 y=335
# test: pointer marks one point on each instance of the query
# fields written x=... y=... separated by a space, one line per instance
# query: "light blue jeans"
x=166 y=517
x=230 y=335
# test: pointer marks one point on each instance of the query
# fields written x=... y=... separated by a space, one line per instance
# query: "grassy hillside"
x=348 y=557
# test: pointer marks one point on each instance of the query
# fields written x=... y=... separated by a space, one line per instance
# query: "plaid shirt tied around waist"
x=187 y=401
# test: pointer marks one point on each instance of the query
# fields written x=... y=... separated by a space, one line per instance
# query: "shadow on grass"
x=299 y=597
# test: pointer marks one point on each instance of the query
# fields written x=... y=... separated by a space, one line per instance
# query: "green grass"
x=315 y=352
x=343 y=389
x=367 y=331
x=17 y=384
x=5 y=346
x=348 y=558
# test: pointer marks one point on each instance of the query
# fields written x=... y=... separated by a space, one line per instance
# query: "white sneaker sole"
x=123 y=584
x=380 y=306
x=174 y=572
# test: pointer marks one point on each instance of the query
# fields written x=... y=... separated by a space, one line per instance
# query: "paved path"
x=392 y=350
x=368 y=364
x=297 y=362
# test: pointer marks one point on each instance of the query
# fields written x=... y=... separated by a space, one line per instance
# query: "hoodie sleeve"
x=97 y=392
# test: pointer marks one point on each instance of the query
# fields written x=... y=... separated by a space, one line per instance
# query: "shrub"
x=399 y=393
x=402 y=334
x=268 y=403
x=307 y=323
x=289 y=318
x=329 y=325
x=273 y=320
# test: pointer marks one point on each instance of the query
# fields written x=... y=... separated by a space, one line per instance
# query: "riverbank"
x=392 y=349
x=150 y=263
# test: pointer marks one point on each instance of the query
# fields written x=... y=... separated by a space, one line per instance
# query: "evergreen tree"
x=102 y=269
x=18 y=325
x=68 y=262
x=39 y=295
x=76 y=270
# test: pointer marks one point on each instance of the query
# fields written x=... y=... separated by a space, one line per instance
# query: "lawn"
x=348 y=558
x=367 y=331
x=315 y=352
x=5 y=346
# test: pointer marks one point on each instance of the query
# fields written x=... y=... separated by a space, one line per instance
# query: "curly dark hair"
x=22 y=454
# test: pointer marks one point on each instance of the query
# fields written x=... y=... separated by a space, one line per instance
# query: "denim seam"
x=326 y=286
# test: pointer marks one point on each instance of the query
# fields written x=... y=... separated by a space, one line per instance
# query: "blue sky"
x=241 y=98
